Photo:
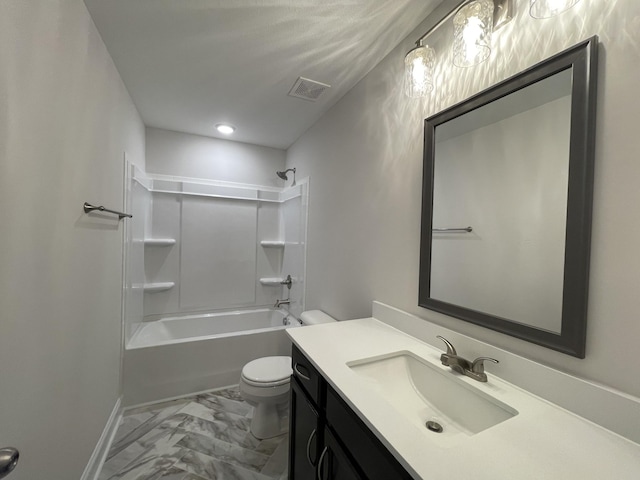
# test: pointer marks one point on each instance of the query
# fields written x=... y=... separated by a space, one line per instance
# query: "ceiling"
x=190 y=64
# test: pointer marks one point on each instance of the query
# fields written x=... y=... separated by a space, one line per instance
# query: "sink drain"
x=434 y=426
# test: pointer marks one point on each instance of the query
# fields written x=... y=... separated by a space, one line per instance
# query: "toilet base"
x=270 y=420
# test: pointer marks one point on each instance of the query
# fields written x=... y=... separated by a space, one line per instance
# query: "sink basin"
x=423 y=392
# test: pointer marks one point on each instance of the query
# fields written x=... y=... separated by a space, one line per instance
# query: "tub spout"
x=282 y=302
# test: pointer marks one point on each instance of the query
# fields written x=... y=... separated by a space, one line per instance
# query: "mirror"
x=507 y=194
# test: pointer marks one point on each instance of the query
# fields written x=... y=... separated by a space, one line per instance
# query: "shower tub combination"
x=175 y=356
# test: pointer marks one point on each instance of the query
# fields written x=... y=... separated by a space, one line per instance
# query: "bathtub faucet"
x=282 y=302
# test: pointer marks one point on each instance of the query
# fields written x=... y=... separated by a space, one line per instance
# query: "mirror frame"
x=582 y=58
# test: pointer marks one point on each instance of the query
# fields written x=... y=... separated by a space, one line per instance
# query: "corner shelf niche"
x=158 y=287
x=159 y=242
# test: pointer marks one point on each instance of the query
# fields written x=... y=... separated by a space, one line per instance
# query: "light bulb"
x=418 y=67
x=225 y=129
x=473 y=26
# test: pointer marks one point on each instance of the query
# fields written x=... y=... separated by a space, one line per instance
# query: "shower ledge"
x=272 y=243
x=159 y=242
x=158 y=287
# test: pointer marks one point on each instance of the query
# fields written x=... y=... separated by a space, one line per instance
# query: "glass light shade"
x=418 y=71
x=472 y=29
x=549 y=8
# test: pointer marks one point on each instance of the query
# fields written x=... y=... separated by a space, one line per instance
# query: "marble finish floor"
x=203 y=437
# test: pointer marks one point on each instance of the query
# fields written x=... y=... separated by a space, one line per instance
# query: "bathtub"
x=176 y=356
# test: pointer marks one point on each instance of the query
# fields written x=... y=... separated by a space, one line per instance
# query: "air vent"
x=308 y=89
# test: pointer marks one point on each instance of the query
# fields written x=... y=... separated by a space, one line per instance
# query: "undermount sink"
x=423 y=392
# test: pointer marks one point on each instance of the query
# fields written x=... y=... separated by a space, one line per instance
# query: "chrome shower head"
x=283 y=175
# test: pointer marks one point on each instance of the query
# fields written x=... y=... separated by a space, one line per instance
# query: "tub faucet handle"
x=287 y=281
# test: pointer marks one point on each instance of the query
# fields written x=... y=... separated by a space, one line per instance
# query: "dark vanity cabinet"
x=327 y=440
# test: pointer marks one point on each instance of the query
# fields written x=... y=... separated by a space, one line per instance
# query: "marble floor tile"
x=216 y=415
x=269 y=446
x=218 y=402
x=150 y=464
x=123 y=458
x=213 y=469
x=224 y=451
x=130 y=423
x=199 y=437
x=143 y=428
x=230 y=433
x=175 y=473
x=232 y=393
x=278 y=463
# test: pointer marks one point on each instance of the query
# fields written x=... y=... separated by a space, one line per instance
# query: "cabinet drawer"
x=373 y=458
x=307 y=375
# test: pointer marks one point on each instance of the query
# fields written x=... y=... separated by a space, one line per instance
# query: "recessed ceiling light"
x=225 y=128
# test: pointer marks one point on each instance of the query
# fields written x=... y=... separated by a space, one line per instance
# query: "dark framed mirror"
x=507 y=199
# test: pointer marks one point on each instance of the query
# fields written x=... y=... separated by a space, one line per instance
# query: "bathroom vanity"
x=321 y=423
x=362 y=393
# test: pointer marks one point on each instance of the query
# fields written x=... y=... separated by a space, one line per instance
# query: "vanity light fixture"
x=418 y=70
x=474 y=22
x=549 y=8
x=225 y=128
x=472 y=29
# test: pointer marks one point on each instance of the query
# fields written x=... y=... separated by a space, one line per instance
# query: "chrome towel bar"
x=90 y=208
x=453 y=230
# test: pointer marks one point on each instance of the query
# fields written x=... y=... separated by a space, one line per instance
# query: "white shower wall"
x=294 y=225
x=218 y=259
x=138 y=202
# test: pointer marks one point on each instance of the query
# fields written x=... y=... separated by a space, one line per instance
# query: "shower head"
x=283 y=175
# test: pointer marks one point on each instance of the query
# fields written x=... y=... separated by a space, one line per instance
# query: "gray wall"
x=185 y=155
x=513 y=193
x=66 y=120
x=364 y=158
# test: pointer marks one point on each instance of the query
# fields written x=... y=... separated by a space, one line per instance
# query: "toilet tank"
x=315 y=317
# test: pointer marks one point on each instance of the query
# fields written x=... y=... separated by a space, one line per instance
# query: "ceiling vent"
x=308 y=89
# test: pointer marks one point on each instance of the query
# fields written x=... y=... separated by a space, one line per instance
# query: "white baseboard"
x=92 y=470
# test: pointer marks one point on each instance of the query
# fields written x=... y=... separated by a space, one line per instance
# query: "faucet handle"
x=450 y=348
x=478 y=364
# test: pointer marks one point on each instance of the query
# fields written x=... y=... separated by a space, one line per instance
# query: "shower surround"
x=203 y=269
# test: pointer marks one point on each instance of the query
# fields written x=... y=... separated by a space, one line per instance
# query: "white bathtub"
x=176 y=356
x=191 y=328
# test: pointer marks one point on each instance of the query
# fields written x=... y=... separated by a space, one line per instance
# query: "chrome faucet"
x=461 y=365
x=282 y=302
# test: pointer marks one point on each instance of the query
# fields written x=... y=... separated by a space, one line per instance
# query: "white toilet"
x=264 y=383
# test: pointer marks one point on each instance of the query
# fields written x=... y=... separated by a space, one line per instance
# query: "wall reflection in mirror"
x=515 y=164
x=514 y=195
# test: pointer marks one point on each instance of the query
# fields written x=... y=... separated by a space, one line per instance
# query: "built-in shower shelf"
x=158 y=287
x=272 y=244
x=272 y=281
x=159 y=242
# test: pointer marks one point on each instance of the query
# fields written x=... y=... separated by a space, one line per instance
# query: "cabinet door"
x=334 y=463
x=305 y=435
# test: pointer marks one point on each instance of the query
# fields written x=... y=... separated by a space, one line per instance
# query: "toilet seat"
x=267 y=371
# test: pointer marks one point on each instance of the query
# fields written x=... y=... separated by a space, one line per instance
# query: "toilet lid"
x=268 y=370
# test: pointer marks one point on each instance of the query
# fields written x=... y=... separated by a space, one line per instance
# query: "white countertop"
x=543 y=441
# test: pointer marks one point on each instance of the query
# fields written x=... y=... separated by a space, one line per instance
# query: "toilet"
x=264 y=384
